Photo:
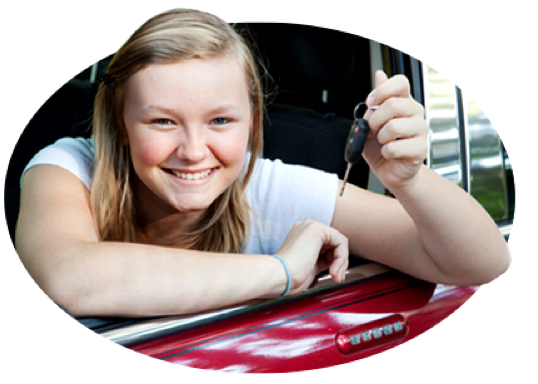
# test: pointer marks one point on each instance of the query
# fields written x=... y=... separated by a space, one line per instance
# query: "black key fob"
x=355 y=141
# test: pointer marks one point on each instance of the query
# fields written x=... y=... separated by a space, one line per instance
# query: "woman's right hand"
x=310 y=248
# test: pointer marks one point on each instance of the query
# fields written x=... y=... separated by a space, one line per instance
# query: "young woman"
x=169 y=209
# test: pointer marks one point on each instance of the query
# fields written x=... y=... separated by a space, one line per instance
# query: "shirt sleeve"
x=283 y=194
x=73 y=154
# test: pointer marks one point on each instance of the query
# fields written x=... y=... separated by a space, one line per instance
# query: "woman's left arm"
x=432 y=229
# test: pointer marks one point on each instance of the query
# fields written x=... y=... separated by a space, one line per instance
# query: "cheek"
x=147 y=152
x=150 y=155
x=233 y=149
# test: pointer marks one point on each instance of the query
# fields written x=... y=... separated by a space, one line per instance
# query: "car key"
x=355 y=143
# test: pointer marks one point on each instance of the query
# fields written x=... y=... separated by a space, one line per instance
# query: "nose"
x=193 y=147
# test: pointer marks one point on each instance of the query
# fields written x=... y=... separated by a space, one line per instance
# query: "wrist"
x=409 y=187
x=276 y=278
x=288 y=276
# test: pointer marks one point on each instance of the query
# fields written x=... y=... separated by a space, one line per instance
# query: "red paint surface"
x=301 y=334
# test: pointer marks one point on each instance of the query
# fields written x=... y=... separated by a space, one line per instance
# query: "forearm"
x=57 y=243
x=120 y=279
x=457 y=234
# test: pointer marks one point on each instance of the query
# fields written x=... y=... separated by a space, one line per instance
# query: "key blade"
x=346 y=175
x=342 y=190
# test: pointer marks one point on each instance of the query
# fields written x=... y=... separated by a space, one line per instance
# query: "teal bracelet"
x=288 y=286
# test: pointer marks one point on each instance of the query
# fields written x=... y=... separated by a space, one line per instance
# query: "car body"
x=308 y=120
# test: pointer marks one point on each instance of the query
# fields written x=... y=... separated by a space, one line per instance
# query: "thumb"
x=379 y=78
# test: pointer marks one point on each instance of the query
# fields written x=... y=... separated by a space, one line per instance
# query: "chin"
x=193 y=206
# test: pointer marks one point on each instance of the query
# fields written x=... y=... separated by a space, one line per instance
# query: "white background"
x=488 y=50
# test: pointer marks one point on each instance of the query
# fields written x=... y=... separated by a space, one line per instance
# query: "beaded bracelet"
x=288 y=286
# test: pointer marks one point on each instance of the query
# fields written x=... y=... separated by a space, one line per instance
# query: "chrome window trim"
x=465 y=148
x=466 y=137
x=441 y=110
x=487 y=180
x=506 y=229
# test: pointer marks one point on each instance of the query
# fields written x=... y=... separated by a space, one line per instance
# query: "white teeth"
x=192 y=176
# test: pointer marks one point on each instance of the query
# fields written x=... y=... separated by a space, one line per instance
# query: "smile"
x=191 y=175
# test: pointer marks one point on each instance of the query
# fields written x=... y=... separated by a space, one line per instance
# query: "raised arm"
x=57 y=242
x=433 y=229
x=438 y=233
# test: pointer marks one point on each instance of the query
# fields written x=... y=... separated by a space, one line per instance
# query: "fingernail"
x=370 y=100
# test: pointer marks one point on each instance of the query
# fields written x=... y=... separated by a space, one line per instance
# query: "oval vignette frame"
x=215 y=12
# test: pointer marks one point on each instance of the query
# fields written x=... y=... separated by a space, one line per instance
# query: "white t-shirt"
x=279 y=194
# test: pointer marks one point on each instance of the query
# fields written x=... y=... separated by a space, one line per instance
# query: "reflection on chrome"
x=487 y=182
x=441 y=109
x=465 y=148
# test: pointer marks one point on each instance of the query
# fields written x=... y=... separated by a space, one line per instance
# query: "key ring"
x=373 y=108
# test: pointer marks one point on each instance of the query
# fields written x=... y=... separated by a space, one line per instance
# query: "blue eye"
x=220 y=121
x=163 y=121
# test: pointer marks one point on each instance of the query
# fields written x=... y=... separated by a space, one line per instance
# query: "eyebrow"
x=224 y=108
x=157 y=108
x=220 y=109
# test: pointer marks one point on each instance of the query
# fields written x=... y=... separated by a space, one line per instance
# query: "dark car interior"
x=317 y=76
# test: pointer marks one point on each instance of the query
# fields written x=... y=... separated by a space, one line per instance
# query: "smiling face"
x=188 y=125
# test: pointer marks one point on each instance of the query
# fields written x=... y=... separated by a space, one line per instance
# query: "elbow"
x=501 y=264
x=477 y=268
x=62 y=293
x=72 y=276
x=68 y=290
x=493 y=258
x=56 y=283
x=72 y=300
x=494 y=265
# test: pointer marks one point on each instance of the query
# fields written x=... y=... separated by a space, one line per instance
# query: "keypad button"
x=377 y=332
x=355 y=339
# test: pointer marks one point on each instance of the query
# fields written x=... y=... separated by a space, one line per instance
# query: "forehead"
x=196 y=78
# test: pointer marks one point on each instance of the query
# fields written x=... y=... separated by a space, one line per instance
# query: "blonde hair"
x=173 y=35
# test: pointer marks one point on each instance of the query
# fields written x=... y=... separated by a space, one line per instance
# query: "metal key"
x=355 y=143
x=346 y=176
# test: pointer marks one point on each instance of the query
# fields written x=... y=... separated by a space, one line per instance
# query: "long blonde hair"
x=173 y=35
